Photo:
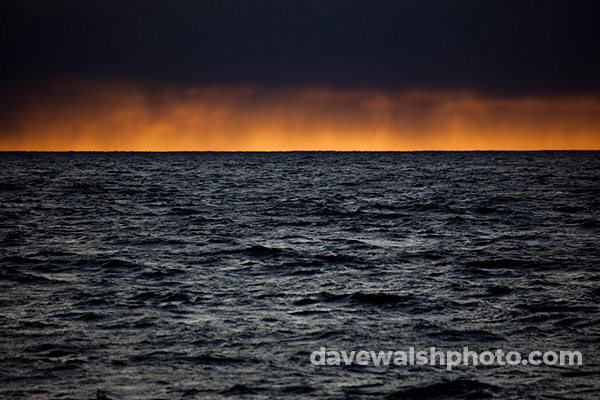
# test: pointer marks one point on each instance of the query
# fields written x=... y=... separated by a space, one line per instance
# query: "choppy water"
x=208 y=275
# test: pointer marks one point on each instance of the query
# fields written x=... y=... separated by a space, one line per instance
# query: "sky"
x=231 y=75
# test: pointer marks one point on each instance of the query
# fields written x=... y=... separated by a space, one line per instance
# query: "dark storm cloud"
x=492 y=47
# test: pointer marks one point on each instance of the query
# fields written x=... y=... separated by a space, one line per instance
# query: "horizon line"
x=295 y=151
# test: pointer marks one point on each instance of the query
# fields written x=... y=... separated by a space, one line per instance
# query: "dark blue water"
x=209 y=275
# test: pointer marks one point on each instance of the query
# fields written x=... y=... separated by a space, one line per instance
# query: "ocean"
x=225 y=275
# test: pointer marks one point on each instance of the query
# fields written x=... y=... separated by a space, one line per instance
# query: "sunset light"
x=117 y=117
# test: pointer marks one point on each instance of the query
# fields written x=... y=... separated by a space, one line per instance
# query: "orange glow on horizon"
x=111 y=117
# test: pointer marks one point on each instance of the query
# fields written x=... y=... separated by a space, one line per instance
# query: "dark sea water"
x=216 y=275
